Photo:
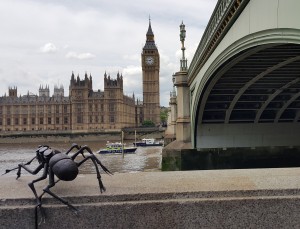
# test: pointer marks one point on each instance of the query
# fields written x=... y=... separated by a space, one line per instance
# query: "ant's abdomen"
x=63 y=167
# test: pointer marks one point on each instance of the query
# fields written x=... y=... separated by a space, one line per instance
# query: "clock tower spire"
x=150 y=68
x=150 y=35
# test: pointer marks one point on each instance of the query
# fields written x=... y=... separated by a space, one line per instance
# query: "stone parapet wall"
x=185 y=212
x=262 y=198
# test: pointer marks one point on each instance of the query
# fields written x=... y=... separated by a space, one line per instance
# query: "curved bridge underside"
x=260 y=87
x=252 y=100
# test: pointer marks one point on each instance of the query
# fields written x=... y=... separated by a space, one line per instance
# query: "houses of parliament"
x=85 y=109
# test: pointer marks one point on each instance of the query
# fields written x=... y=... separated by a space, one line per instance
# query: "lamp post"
x=173 y=93
x=180 y=127
x=183 y=95
x=183 y=61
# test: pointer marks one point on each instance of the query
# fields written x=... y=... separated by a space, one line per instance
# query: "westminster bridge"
x=244 y=81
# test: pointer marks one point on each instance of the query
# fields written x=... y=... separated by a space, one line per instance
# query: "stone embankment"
x=261 y=198
x=76 y=136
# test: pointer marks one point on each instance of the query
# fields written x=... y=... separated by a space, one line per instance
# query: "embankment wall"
x=80 y=136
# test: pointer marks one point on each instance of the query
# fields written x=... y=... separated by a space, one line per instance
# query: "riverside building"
x=83 y=110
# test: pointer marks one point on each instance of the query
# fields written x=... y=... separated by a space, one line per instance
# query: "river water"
x=144 y=159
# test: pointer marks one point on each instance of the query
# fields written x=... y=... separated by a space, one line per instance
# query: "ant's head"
x=40 y=153
x=48 y=154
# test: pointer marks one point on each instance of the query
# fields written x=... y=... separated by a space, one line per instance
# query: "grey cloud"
x=109 y=34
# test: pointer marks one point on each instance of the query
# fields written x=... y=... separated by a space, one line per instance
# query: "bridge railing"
x=224 y=14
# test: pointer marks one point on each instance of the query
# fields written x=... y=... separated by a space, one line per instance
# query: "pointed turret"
x=150 y=34
x=150 y=43
x=44 y=92
x=12 y=92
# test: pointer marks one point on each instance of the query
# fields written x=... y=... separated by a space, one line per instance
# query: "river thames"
x=144 y=159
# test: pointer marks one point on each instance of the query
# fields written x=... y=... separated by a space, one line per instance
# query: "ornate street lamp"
x=173 y=93
x=183 y=61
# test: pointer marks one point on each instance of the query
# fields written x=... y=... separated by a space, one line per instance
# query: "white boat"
x=116 y=147
x=148 y=142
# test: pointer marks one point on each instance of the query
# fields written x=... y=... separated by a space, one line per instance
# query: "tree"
x=148 y=123
x=164 y=116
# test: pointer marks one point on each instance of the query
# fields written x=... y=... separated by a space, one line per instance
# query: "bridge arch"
x=254 y=80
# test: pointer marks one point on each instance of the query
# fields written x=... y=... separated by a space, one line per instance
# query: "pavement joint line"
x=50 y=201
x=179 y=201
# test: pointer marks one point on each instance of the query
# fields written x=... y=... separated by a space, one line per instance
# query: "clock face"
x=149 y=60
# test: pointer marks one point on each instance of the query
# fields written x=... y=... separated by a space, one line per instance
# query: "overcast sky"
x=43 y=41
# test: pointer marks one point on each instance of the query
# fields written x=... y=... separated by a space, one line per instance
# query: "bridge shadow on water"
x=241 y=158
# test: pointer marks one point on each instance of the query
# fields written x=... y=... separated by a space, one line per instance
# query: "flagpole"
x=122 y=142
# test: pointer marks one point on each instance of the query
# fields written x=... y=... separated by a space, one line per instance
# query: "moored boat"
x=117 y=147
x=148 y=142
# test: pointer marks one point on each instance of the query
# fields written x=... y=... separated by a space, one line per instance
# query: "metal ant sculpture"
x=55 y=163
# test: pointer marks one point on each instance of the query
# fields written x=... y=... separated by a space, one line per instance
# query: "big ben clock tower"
x=150 y=67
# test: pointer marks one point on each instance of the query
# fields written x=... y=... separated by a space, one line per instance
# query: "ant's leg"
x=95 y=158
x=33 y=172
x=92 y=157
x=31 y=184
x=43 y=193
x=51 y=184
x=74 y=145
x=38 y=200
x=29 y=162
x=43 y=215
x=80 y=151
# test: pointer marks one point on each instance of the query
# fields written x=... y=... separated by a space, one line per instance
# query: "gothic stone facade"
x=83 y=110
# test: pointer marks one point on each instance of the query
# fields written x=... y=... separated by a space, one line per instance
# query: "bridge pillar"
x=183 y=127
x=176 y=152
x=170 y=134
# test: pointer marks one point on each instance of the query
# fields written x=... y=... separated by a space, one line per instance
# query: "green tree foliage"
x=163 y=115
x=164 y=111
x=148 y=123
